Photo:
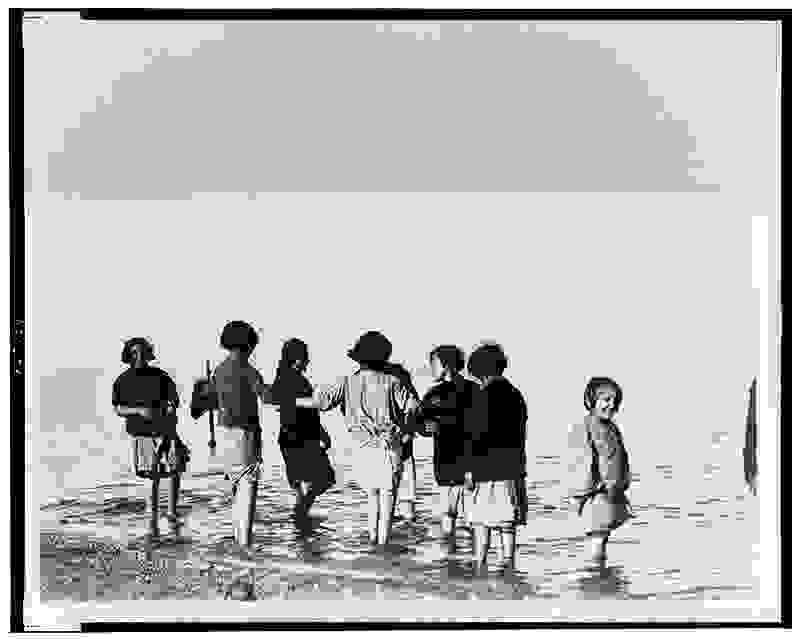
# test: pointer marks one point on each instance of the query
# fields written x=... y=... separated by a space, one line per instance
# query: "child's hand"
x=469 y=484
x=202 y=386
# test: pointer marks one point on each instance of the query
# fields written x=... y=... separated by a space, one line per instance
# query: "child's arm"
x=264 y=391
x=324 y=397
x=324 y=438
x=203 y=398
x=121 y=407
x=308 y=402
x=128 y=411
x=609 y=459
x=581 y=484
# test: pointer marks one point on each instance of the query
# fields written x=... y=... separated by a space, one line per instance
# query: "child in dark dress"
x=146 y=397
x=496 y=466
x=302 y=439
x=443 y=414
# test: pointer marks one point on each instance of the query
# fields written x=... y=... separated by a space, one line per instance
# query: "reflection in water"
x=329 y=556
x=602 y=581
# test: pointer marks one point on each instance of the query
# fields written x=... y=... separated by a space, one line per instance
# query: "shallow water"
x=694 y=544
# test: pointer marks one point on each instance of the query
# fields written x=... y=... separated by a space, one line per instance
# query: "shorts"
x=451 y=501
x=240 y=453
x=498 y=504
x=156 y=456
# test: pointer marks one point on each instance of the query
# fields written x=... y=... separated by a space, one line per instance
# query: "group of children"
x=478 y=428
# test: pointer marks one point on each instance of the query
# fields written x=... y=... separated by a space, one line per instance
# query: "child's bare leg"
x=154 y=505
x=598 y=543
x=448 y=525
x=245 y=510
x=387 y=500
x=481 y=540
x=174 y=491
x=449 y=531
x=307 y=491
x=509 y=541
x=373 y=504
x=410 y=475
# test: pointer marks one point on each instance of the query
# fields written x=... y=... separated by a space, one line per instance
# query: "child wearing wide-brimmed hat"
x=147 y=398
x=605 y=472
x=376 y=403
x=496 y=464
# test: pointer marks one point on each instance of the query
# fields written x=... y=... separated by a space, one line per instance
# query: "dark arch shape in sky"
x=343 y=107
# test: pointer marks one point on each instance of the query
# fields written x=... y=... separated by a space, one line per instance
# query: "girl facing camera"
x=147 y=399
x=605 y=471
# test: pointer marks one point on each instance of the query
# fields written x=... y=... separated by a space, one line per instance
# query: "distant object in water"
x=749 y=451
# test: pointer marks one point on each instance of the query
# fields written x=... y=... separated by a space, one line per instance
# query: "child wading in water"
x=302 y=440
x=606 y=472
x=376 y=404
x=146 y=397
x=444 y=413
x=496 y=464
x=234 y=389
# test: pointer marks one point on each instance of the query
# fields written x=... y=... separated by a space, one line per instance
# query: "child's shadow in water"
x=603 y=582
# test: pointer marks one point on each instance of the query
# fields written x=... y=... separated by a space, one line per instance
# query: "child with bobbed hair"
x=147 y=399
x=377 y=402
x=604 y=475
x=302 y=440
x=443 y=415
x=496 y=464
x=234 y=390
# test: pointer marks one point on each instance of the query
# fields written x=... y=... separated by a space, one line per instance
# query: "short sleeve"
x=609 y=462
x=261 y=389
x=171 y=391
x=331 y=396
x=116 y=393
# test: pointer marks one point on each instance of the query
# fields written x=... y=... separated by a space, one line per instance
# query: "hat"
x=371 y=347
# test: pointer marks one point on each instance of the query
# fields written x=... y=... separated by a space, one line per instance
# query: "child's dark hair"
x=487 y=359
x=450 y=356
x=293 y=350
x=239 y=336
x=596 y=383
x=127 y=349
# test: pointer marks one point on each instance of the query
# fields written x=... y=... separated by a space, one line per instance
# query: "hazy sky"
x=650 y=284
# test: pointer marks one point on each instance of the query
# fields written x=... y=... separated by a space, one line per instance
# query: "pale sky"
x=653 y=288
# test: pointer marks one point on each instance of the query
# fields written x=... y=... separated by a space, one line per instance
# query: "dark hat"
x=372 y=347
